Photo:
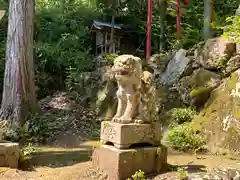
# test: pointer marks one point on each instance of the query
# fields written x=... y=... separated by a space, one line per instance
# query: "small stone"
x=206 y=177
x=9 y=154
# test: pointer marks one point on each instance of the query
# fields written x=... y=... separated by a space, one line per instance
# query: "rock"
x=238 y=48
x=158 y=62
x=106 y=102
x=218 y=174
x=190 y=67
x=195 y=89
x=196 y=49
x=233 y=64
x=9 y=154
x=175 y=68
x=215 y=53
x=221 y=109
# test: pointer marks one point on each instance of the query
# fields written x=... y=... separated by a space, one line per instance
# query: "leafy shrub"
x=139 y=175
x=182 y=174
x=26 y=156
x=110 y=57
x=181 y=115
x=232 y=30
x=184 y=138
x=34 y=130
x=63 y=42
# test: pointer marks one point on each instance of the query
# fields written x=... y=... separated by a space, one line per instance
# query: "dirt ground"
x=50 y=163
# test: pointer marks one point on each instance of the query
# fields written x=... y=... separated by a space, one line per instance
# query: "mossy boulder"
x=106 y=101
x=96 y=90
x=168 y=98
x=158 y=62
x=215 y=115
x=215 y=53
x=196 y=89
x=233 y=64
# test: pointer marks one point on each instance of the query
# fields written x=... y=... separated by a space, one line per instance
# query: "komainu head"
x=128 y=69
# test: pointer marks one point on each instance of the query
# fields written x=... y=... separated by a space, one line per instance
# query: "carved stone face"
x=124 y=68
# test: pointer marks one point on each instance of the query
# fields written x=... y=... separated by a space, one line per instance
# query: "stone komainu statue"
x=136 y=93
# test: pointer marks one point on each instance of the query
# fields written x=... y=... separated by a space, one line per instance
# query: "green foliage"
x=63 y=43
x=184 y=138
x=182 y=174
x=34 y=130
x=139 y=175
x=110 y=58
x=26 y=153
x=232 y=30
x=181 y=115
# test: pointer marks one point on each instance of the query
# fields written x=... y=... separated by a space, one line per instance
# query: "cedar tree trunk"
x=19 y=96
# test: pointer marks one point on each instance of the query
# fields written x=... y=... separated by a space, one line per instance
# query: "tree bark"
x=162 y=18
x=208 y=17
x=19 y=94
x=112 y=50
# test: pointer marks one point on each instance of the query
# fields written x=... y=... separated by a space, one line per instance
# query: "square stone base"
x=9 y=154
x=122 y=164
x=122 y=136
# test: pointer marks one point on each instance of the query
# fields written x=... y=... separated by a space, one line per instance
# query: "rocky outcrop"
x=195 y=73
x=233 y=64
x=158 y=62
x=215 y=53
x=175 y=68
x=195 y=89
x=219 y=120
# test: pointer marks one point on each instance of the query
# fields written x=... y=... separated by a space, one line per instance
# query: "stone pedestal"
x=9 y=154
x=122 y=136
x=127 y=148
x=120 y=164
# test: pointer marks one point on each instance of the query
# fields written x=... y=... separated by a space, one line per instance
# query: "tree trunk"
x=163 y=12
x=208 y=17
x=19 y=96
x=112 y=49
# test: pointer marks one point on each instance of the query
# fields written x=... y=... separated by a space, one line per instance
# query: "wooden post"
x=149 y=25
x=178 y=19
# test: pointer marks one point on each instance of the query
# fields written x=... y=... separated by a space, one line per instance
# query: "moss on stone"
x=200 y=90
x=220 y=105
x=198 y=86
x=106 y=104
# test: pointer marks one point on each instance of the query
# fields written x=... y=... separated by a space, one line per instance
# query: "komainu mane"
x=136 y=94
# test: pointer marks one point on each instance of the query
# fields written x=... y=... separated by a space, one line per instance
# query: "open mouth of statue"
x=124 y=73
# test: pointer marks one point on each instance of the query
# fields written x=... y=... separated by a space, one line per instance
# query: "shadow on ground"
x=56 y=159
x=171 y=172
